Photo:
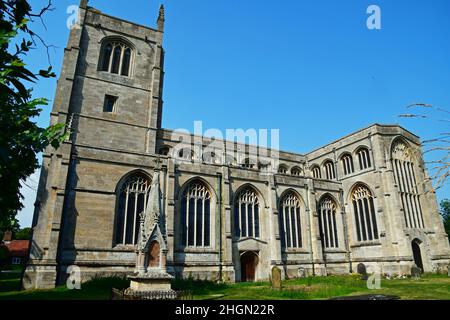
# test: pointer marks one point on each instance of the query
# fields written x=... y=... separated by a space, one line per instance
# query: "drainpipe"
x=219 y=188
x=344 y=220
x=311 y=255
x=164 y=195
x=324 y=249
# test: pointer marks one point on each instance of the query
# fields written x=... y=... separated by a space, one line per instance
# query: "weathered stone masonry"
x=357 y=200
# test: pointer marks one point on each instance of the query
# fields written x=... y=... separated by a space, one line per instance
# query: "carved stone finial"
x=158 y=163
x=84 y=4
x=161 y=18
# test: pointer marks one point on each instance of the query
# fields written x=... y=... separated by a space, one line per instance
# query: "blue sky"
x=309 y=68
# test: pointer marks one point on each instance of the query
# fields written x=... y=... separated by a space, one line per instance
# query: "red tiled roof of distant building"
x=18 y=248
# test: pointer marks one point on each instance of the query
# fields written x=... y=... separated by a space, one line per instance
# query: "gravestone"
x=301 y=272
x=448 y=267
x=361 y=269
x=416 y=272
x=276 y=278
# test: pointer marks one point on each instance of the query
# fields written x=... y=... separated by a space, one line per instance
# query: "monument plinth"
x=151 y=281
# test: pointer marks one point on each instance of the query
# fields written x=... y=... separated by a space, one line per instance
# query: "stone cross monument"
x=151 y=273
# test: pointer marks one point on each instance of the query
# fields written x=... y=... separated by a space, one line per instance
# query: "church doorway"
x=154 y=255
x=417 y=253
x=249 y=262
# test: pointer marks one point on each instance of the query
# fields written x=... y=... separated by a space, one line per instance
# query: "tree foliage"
x=23 y=234
x=21 y=139
x=445 y=212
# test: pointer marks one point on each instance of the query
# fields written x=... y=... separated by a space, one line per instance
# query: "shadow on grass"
x=429 y=287
x=9 y=282
x=198 y=287
x=95 y=289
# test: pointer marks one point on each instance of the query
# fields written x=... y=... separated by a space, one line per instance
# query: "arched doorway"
x=417 y=254
x=249 y=262
x=154 y=255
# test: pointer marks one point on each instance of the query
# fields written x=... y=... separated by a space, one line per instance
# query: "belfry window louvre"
x=329 y=170
x=196 y=216
x=247 y=215
x=347 y=164
x=290 y=222
x=405 y=177
x=116 y=57
x=327 y=211
x=364 y=214
x=364 y=158
x=133 y=199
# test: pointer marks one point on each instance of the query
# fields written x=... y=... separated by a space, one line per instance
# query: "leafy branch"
x=22 y=139
x=438 y=146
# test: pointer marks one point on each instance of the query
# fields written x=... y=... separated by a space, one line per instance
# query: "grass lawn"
x=436 y=287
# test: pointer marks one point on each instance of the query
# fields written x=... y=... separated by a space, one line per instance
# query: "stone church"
x=230 y=215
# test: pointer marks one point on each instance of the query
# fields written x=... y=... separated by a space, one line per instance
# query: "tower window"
x=110 y=104
x=116 y=57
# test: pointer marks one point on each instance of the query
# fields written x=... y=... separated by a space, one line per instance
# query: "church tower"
x=109 y=93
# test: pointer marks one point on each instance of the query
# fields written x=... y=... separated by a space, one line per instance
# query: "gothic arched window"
x=364 y=158
x=327 y=211
x=210 y=157
x=196 y=216
x=282 y=169
x=290 y=221
x=248 y=163
x=126 y=62
x=246 y=214
x=329 y=170
x=133 y=197
x=164 y=151
x=107 y=51
x=405 y=177
x=116 y=57
x=347 y=164
x=316 y=172
x=186 y=154
x=230 y=160
x=296 y=171
x=364 y=212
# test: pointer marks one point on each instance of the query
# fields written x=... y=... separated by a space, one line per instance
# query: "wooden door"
x=249 y=262
x=154 y=255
